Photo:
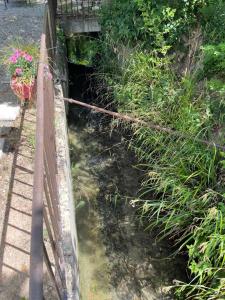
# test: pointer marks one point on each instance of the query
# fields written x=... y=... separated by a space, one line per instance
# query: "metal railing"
x=79 y=8
x=45 y=206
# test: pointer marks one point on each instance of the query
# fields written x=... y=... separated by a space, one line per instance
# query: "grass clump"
x=183 y=190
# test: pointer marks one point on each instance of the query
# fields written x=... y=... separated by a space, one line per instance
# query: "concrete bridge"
x=38 y=251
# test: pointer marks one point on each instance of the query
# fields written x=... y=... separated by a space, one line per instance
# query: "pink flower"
x=19 y=71
x=13 y=59
x=17 y=53
x=28 y=57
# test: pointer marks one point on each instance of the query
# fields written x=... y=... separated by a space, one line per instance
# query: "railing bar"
x=83 y=10
x=62 y=6
x=52 y=10
x=48 y=177
x=50 y=165
x=36 y=259
x=48 y=264
x=66 y=7
x=50 y=33
x=54 y=4
x=49 y=229
x=48 y=40
x=51 y=212
x=59 y=8
x=49 y=150
x=53 y=193
x=52 y=185
x=50 y=133
x=54 y=246
x=71 y=6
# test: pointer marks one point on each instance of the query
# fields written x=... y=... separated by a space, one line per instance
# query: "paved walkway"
x=17 y=21
x=16 y=200
x=16 y=159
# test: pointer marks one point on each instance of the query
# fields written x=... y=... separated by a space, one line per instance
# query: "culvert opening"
x=118 y=259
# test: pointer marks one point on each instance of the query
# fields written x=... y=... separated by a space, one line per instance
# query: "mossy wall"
x=82 y=49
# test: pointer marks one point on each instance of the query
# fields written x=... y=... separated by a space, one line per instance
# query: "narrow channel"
x=118 y=259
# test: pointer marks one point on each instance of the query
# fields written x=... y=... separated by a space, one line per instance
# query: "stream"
x=118 y=259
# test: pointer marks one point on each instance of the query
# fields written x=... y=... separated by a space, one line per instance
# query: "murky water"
x=118 y=259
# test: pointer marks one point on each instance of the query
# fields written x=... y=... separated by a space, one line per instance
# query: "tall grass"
x=183 y=190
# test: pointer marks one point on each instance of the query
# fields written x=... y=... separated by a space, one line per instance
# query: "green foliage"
x=121 y=21
x=60 y=35
x=212 y=18
x=159 y=21
x=82 y=49
x=147 y=22
x=207 y=255
x=214 y=60
x=183 y=190
x=166 y=20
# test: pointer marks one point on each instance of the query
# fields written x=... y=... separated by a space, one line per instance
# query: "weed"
x=183 y=189
x=31 y=141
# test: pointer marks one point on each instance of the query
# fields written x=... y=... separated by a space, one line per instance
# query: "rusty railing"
x=79 y=8
x=45 y=206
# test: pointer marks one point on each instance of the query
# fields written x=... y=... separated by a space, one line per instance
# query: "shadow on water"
x=118 y=259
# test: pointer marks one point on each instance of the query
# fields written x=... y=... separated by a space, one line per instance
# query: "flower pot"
x=24 y=91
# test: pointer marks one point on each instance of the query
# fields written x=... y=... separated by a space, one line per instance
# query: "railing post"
x=36 y=252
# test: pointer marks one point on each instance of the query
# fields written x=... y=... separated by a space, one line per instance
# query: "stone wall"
x=66 y=201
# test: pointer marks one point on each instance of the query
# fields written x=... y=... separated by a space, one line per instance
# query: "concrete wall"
x=71 y=26
x=66 y=201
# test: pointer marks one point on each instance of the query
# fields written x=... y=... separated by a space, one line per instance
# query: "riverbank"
x=118 y=259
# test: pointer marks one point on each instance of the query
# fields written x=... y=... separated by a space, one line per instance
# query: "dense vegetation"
x=164 y=61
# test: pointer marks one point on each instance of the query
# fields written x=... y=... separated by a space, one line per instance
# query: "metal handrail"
x=79 y=8
x=45 y=206
x=36 y=262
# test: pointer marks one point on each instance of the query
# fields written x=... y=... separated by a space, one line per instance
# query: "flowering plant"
x=21 y=64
